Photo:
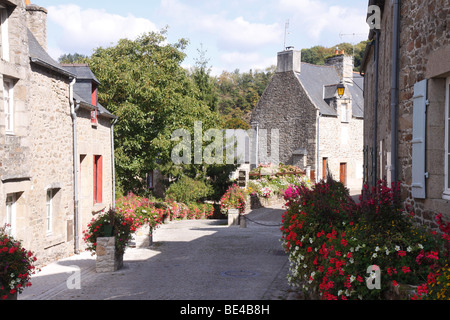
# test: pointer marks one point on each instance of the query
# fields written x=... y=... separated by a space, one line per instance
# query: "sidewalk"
x=189 y=260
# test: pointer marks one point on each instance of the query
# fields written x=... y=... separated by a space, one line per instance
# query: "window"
x=94 y=95
x=8 y=105
x=49 y=211
x=344 y=113
x=447 y=138
x=11 y=214
x=98 y=179
x=4 y=33
x=94 y=116
x=343 y=173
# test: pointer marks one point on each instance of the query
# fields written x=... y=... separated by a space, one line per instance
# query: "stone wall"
x=424 y=54
x=93 y=140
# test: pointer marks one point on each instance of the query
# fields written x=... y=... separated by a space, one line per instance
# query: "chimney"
x=289 y=60
x=37 y=23
x=343 y=65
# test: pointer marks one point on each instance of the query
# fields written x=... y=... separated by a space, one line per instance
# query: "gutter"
x=375 y=103
x=73 y=114
x=394 y=89
x=113 y=165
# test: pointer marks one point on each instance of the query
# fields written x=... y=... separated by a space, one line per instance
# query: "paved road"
x=189 y=260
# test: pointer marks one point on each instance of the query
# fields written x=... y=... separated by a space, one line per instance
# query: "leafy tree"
x=72 y=58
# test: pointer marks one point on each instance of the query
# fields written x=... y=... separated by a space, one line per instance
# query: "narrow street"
x=189 y=260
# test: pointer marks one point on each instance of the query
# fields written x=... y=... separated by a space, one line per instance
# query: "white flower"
x=377 y=248
x=387 y=252
x=351 y=260
x=310 y=240
x=352 y=278
x=374 y=255
x=420 y=246
x=397 y=248
x=409 y=249
x=340 y=292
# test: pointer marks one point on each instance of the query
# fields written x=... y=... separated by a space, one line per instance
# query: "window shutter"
x=418 y=142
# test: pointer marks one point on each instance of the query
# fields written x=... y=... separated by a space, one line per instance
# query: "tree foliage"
x=318 y=54
x=143 y=83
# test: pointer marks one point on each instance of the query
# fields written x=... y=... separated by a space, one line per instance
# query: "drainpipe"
x=113 y=165
x=73 y=110
x=394 y=89
x=375 y=121
x=318 y=146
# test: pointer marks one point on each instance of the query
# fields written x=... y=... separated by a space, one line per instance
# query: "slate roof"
x=39 y=56
x=320 y=84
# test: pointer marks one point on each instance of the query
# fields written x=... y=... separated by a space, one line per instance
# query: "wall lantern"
x=340 y=89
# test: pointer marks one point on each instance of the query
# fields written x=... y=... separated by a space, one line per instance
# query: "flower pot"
x=107 y=258
x=108 y=230
x=143 y=236
x=233 y=217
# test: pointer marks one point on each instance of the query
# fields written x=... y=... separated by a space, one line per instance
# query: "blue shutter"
x=418 y=142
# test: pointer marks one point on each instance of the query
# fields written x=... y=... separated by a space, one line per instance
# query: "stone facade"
x=424 y=54
x=302 y=104
x=37 y=145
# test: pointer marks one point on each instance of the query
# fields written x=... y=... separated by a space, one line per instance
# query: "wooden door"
x=343 y=173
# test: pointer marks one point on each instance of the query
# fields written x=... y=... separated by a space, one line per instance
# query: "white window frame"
x=446 y=194
x=8 y=103
x=4 y=33
x=11 y=214
x=49 y=211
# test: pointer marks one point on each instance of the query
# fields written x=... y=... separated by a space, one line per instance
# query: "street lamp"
x=340 y=90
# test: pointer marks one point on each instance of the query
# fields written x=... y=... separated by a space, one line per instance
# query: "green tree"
x=143 y=83
x=72 y=58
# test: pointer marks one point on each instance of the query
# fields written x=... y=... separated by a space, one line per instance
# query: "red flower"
x=401 y=253
x=394 y=283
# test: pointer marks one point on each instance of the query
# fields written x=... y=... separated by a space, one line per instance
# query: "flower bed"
x=16 y=266
x=334 y=243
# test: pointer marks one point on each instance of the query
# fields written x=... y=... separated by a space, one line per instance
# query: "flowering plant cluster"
x=234 y=198
x=16 y=266
x=140 y=210
x=106 y=224
x=333 y=242
x=277 y=185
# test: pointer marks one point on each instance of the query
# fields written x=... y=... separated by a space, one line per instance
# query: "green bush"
x=187 y=190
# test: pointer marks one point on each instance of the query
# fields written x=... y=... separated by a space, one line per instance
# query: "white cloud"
x=319 y=20
x=85 y=29
x=229 y=33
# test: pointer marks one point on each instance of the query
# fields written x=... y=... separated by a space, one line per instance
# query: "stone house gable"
x=406 y=126
x=315 y=133
x=38 y=163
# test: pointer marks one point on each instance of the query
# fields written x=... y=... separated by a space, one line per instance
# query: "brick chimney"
x=37 y=23
x=343 y=64
x=289 y=60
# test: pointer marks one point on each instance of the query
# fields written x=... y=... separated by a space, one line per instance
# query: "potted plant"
x=107 y=236
x=16 y=267
x=233 y=203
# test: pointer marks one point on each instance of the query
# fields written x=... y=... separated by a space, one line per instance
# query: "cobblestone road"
x=189 y=260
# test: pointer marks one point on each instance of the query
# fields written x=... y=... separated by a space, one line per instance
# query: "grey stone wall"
x=285 y=106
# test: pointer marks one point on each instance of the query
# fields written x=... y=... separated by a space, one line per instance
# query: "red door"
x=343 y=173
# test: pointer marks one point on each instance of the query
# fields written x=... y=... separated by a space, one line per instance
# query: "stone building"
x=318 y=130
x=37 y=145
x=407 y=92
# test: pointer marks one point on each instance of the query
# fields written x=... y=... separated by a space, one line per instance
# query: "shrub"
x=188 y=190
x=332 y=242
x=140 y=210
x=16 y=265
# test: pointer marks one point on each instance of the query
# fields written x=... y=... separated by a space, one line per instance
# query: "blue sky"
x=244 y=34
